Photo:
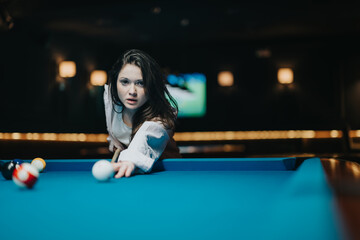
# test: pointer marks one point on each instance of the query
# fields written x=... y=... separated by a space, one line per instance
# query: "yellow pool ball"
x=39 y=163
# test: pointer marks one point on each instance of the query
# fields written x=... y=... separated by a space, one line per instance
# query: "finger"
x=121 y=171
x=129 y=171
x=116 y=166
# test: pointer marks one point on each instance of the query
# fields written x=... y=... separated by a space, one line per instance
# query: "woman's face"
x=130 y=87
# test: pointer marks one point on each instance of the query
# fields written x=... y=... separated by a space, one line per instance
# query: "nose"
x=132 y=90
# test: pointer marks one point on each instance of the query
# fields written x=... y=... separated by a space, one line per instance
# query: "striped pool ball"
x=25 y=175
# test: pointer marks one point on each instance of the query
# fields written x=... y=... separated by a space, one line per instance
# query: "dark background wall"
x=318 y=39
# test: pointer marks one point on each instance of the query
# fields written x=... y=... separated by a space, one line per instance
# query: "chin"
x=131 y=107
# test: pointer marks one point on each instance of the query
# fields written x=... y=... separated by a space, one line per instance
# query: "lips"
x=131 y=101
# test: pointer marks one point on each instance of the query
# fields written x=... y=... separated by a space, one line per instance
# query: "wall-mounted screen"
x=189 y=90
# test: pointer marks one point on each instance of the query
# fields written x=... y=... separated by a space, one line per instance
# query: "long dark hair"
x=160 y=106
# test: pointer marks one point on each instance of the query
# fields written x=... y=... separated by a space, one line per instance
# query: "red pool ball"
x=25 y=175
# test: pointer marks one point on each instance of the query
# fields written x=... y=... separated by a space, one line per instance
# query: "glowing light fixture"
x=156 y=10
x=67 y=69
x=263 y=53
x=334 y=133
x=357 y=133
x=98 y=78
x=285 y=75
x=225 y=79
x=184 y=22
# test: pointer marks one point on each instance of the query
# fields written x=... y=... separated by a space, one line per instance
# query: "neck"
x=128 y=116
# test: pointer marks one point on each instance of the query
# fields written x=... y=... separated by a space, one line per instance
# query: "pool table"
x=209 y=198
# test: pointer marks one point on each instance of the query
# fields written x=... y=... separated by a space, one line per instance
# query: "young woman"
x=139 y=116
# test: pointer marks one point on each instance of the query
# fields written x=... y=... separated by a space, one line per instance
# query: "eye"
x=124 y=82
x=139 y=83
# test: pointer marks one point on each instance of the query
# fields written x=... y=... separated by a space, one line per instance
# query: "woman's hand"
x=123 y=169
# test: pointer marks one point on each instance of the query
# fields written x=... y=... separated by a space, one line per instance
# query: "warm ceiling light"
x=156 y=10
x=67 y=69
x=225 y=79
x=263 y=53
x=98 y=78
x=285 y=75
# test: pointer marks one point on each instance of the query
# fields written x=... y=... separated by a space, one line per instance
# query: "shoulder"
x=159 y=120
x=157 y=124
x=155 y=128
x=168 y=123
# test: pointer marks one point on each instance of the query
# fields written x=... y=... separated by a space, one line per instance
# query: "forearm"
x=147 y=146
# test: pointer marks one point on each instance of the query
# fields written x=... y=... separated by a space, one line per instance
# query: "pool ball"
x=102 y=170
x=8 y=168
x=18 y=161
x=25 y=175
x=39 y=163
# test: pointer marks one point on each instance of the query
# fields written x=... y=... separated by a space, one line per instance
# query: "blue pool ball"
x=18 y=161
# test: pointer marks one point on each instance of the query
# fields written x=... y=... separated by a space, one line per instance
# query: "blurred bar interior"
x=251 y=79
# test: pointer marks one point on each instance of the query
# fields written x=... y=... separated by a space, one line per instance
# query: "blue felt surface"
x=311 y=211
x=172 y=205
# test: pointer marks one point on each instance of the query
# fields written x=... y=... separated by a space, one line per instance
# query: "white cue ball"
x=102 y=170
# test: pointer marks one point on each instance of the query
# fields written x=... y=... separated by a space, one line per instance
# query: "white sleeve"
x=147 y=145
x=109 y=116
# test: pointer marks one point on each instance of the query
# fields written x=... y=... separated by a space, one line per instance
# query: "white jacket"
x=148 y=143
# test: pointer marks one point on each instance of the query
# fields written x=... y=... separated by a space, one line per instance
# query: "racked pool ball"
x=8 y=169
x=25 y=175
x=18 y=161
x=102 y=170
x=39 y=163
